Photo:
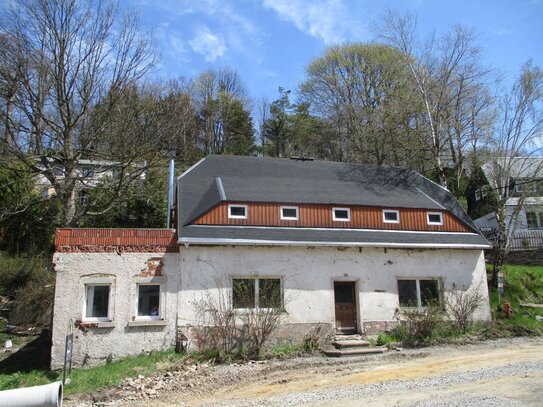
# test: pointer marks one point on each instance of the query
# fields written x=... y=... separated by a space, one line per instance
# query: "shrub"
x=461 y=305
x=235 y=332
x=421 y=323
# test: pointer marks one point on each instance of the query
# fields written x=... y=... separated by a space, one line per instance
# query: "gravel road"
x=492 y=373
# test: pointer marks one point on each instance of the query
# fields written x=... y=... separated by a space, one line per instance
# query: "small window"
x=341 y=214
x=148 y=300
x=256 y=293
x=390 y=216
x=237 y=211
x=97 y=299
x=289 y=213
x=435 y=218
x=534 y=220
x=418 y=292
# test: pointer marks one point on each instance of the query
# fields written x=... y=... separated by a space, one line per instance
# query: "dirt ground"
x=494 y=373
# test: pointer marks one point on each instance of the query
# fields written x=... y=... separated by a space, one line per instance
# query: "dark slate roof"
x=255 y=179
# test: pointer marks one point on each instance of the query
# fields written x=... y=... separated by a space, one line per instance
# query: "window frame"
x=283 y=217
x=395 y=211
x=245 y=208
x=417 y=285
x=138 y=317
x=336 y=219
x=256 y=291
x=538 y=217
x=109 y=316
x=440 y=214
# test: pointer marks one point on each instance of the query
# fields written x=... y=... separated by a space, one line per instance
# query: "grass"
x=522 y=284
x=91 y=379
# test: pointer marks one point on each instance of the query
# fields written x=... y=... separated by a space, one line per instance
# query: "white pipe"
x=37 y=396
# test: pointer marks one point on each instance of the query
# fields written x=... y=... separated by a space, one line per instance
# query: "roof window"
x=237 y=211
x=289 y=213
x=341 y=214
x=435 y=218
x=390 y=216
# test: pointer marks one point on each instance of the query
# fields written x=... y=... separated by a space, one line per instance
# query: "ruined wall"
x=124 y=334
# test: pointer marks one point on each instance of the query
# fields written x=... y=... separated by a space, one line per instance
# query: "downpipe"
x=48 y=395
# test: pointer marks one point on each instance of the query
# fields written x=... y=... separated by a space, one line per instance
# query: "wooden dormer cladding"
x=316 y=215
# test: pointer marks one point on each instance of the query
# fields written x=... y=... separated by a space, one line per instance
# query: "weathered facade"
x=347 y=246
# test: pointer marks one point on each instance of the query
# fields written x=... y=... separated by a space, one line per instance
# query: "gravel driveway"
x=492 y=373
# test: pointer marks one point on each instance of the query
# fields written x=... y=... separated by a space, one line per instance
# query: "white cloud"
x=209 y=45
x=328 y=20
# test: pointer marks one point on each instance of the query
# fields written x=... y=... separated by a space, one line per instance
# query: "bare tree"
x=66 y=57
x=447 y=77
x=517 y=153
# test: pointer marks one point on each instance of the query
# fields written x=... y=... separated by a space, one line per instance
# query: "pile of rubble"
x=186 y=375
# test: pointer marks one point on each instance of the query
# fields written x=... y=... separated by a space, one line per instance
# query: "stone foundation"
x=197 y=338
x=375 y=327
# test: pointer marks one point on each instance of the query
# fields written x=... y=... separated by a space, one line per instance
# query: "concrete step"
x=353 y=337
x=353 y=351
x=353 y=343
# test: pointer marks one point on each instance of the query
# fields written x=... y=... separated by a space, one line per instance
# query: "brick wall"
x=94 y=240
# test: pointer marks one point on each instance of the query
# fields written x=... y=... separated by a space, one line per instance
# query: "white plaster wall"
x=98 y=344
x=308 y=275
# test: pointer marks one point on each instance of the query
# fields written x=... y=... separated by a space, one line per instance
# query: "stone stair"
x=352 y=345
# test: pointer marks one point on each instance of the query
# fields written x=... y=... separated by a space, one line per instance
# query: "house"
x=89 y=174
x=521 y=180
x=345 y=245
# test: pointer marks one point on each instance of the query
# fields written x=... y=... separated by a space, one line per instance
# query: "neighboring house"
x=523 y=181
x=89 y=174
x=346 y=245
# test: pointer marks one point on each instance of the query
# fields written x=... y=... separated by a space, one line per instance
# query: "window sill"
x=157 y=322
x=85 y=325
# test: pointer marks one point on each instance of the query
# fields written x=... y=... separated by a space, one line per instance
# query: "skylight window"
x=341 y=214
x=237 y=211
x=390 y=216
x=289 y=213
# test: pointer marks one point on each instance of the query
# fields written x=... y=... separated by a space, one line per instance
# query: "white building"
x=346 y=246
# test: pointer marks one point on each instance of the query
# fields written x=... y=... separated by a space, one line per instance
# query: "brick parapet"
x=109 y=240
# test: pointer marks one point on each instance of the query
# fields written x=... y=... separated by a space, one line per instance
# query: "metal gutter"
x=253 y=242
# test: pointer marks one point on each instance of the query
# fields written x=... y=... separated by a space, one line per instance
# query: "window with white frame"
x=97 y=303
x=391 y=216
x=341 y=214
x=148 y=301
x=418 y=292
x=256 y=293
x=237 y=211
x=289 y=213
x=434 y=218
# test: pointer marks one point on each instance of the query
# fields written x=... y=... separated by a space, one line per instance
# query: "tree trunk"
x=500 y=248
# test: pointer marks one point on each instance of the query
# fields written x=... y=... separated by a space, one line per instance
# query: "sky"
x=271 y=42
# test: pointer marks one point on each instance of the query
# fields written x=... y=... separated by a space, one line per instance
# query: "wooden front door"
x=345 y=302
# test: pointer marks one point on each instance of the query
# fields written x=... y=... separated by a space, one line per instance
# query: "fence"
x=520 y=240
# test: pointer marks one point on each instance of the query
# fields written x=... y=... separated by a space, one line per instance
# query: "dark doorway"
x=345 y=302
